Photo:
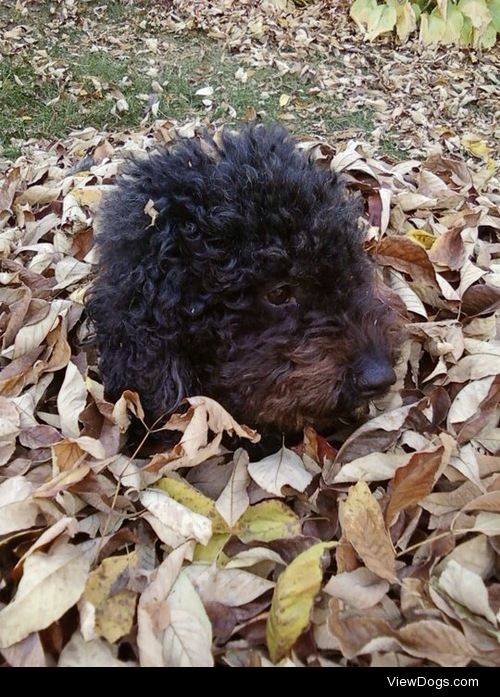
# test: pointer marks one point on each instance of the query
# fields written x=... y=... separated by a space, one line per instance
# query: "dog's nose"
x=375 y=379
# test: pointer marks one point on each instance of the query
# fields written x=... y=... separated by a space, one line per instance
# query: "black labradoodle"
x=235 y=269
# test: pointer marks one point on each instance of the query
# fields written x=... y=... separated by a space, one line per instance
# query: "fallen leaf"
x=18 y=511
x=284 y=468
x=293 y=600
x=96 y=653
x=9 y=429
x=448 y=249
x=467 y=402
x=234 y=500
x=52 y=582
x=413 y=482
x=153 y=616
x=360 y=588
x=363 y=526
x=229 y=586
x=405 y=255
x=267 y=521
x=188 y=637
x=175 y=516
x=71 y=401
x=114 y=607
x=189 y=497
x=27 y=653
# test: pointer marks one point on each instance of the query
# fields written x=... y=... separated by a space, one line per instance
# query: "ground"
x=68 y=65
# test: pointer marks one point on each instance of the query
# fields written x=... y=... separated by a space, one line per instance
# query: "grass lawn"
x=66 y=75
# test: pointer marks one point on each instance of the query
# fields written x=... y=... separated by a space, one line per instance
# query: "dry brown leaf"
x=96 y=653
x=188 y=637
x=173 y=626
x=176 y=517
x=63 y=525
x=52 y=582
x=232 y=587
x=71 y=401
x=374 y=435
x=234 y=500
x=195 y=446
x=413 y=482
x=31 y=335
x=372 y=468
x=9 y=429
x=284 y=468
x=448 y=250
x=475 y=368
x=360 y=588
x=354 y=631
x=38 y=195
x=436 y=641
x=405 y=255
x=466 y=588
x=467 y=402
x=18 y=511
x=61 y=482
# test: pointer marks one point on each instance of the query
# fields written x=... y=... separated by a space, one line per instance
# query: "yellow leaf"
x=494 y=8
x=466 y=33
x=454 y=24
x=212 y=551
x=293 y=600
x=267 y=521
x=442 y=7
x=256 y=27
x=114 y=610
x=363 y=526
x=406 y=21
x=360 y=12
x=476 y=146
x=432 y=28
x=284 y=99
x=477 y=12
x=188 y=496
x=381 y=20
x=422 y=237
x=88 y=195
x=488 y=37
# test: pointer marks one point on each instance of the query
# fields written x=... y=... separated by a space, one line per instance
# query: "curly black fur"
x=183 y=301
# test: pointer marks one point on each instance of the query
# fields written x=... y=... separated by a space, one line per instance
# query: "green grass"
x=390 y=148
x=28 y=110
x=39 y=106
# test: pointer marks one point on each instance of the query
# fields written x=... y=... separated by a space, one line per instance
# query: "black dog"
x=236 y=270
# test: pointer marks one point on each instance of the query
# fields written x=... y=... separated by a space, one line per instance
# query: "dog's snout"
x=375 y=378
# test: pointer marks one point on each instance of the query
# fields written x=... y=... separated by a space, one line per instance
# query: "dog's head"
x=287 y=322
x=259 y=293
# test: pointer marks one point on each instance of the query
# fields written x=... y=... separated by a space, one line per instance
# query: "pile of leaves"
x=379 y=547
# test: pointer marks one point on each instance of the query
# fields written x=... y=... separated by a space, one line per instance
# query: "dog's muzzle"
x=374 y=377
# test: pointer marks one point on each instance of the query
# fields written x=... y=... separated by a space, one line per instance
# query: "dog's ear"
x=134 y=308
x=137 y=352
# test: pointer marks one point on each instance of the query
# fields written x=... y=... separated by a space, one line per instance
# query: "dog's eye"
x=280 y=295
